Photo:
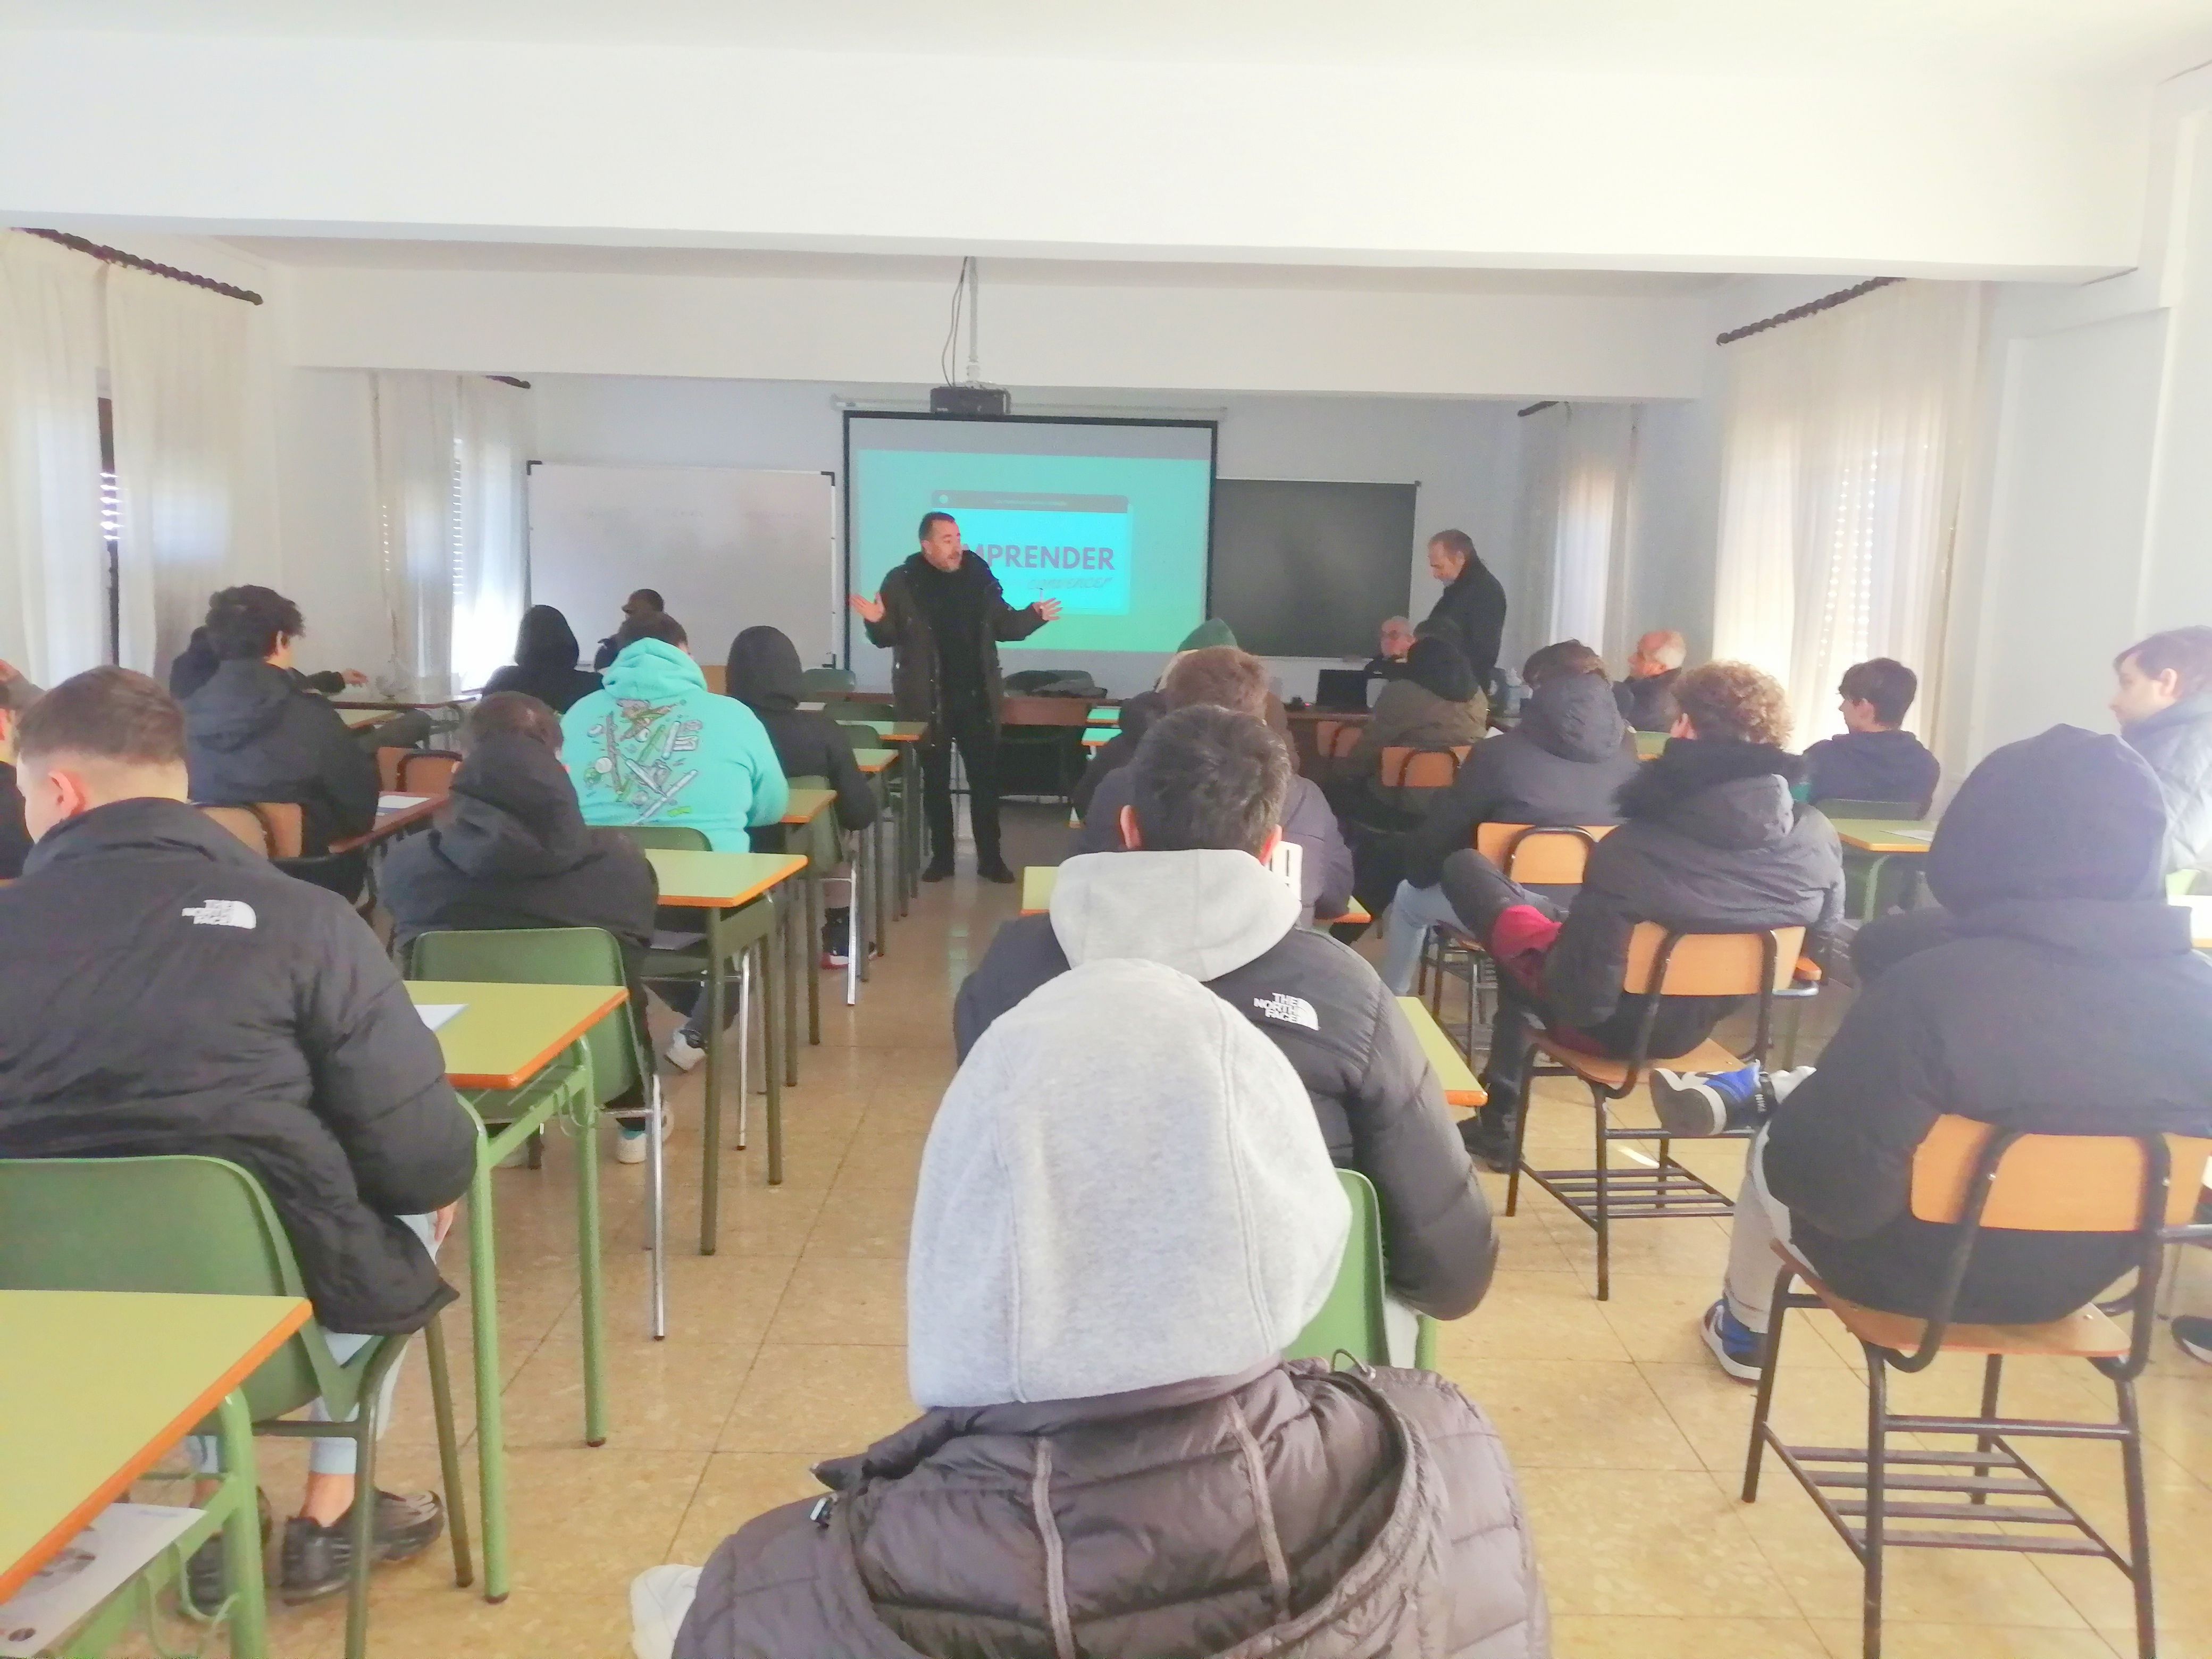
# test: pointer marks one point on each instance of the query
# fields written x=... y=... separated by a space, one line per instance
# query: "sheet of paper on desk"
x=121 y=1538
x=435 y=1014
x=399 y=803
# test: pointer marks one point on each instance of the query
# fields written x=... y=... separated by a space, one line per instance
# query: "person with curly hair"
x=1710 y=841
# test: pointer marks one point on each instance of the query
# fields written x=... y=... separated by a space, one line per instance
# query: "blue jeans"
x=328 y=1455
x=1414 y=911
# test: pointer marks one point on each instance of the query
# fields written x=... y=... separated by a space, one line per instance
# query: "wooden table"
x=390 y=821
x=362 y=720
x=721 y=884
x=96 y=1386
x=1881 y=839
x=509 y=1036
x=1038 y=880
x=445 y=712
x=1460 y=1086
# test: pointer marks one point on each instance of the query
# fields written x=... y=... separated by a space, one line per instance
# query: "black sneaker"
x=1489 y=1140
x=204 y=1569
x=319 y=1559
x=836 y=939
x=997 y=872
x=939 y=870
x=2194 y=1334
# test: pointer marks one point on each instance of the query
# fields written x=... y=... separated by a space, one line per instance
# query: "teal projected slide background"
x=1119 y=540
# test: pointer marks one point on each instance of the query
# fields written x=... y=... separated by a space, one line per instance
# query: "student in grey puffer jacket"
x=1112 y=1245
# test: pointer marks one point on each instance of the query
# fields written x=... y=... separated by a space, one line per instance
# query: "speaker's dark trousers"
x=974 y=729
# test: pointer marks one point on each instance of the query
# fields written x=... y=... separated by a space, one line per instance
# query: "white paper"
x=87 y=1569
x=2200 y=928
x=435 y=1014
x=399 y=803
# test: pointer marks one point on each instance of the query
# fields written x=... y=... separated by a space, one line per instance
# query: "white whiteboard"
x=725 y=548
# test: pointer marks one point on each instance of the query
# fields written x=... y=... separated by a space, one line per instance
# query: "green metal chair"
x=815 y=681
x=1351 y=1322
x=204 y=1226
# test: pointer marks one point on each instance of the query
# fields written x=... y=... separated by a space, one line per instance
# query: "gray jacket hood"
x=1203 y=913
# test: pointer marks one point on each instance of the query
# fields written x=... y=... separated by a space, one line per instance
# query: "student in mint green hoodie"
x=654 y=746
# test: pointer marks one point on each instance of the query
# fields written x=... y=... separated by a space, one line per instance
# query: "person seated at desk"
x=644 y=602
x=654 y=746
x=1230 y=678
x=1711 y=841
x=1646 y=697
x=2055 y=992
x=1113 y=1244
x=165 y=991
x=545 y=665
x=763 y=674
x=195 y=665
x=1393 y=644
x=16 y=695
x=2164 y=706
x=1563 y=763
x=1435 y=704
x=253 y=733
x=1138 y=714
x=1874 y=759
x=1206 y=796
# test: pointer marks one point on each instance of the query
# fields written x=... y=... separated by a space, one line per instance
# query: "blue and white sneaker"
x=1735 y=1346
x=1691 y=1106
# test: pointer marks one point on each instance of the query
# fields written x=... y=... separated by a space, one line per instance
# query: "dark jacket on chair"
x=2178 y=744
x=1563 y=763
x=943 y=629
x=763 y=674
x=164 y=990
x=510 y=849
x=252 y=735
x=1893 y=766
x=1223 y=918
x=2056 y=993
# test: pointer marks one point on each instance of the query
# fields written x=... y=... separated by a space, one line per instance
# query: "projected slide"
x=1111 y=519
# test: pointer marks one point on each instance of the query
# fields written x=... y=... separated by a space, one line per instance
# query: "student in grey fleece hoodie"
x=1195 y=894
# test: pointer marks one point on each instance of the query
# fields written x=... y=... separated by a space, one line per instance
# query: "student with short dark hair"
x=1223 y=677
x=255 y=734
x=2164 y=706
x=1874 y=759
x=645 y=601
x=545 y=665
x=1206 y=799
x=165 y=991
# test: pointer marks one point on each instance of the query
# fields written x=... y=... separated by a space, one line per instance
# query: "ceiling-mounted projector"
x=969 y=400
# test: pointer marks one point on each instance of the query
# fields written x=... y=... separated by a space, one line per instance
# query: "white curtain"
x=53 y=559
x=1575 y=494
x=178 y=378
x=1842 y=439
x=450 y=454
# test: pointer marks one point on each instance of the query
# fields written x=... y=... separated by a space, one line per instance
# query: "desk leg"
x=1870 y=900
x=810 y=946
x=484 y=1322
x=794 y=918
x=710 y=1130
x=585 y=1114
x=241 y=1531
x=777 y=1019
x=858 y=892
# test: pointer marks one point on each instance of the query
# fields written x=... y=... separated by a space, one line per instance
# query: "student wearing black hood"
x=2055 y=992
x=544 y=666
x=1474 y=601
x=1709 y=840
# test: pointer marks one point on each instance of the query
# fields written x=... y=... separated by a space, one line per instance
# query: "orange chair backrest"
x=428 y=772
x=287 y=828
x=2051 y=1183
x=1708 y=964
x=1539 y=855
x=1334 y=739
x=244 y=822
x=388 y=763
x=1422 y=768
x=717 y=676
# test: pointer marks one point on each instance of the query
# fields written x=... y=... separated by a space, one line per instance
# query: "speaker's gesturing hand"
x=1049 y=609
x=868 y=610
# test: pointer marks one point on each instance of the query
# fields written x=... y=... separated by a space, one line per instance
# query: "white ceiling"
x=433 y=255
x=2128 y=40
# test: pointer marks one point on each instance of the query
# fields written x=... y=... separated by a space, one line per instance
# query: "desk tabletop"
x=505 y=1034
x=807 y=805
x=97 y=1386
x=395 y=706
x=360 y=719
x=1098 y=737
x=872 y=760
x=390 y=822
x=900 y=732
x=719 y=881
x=1885 y=834
x=1460 y=1088
x=1649 y=744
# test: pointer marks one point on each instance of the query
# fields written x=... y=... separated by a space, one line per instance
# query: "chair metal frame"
x=1938 y=1479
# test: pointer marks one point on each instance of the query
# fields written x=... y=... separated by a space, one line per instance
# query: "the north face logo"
x=221 y=913
x=1291 y=1010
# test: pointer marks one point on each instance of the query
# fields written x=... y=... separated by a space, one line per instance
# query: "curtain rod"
x=1810 y=308
x=1537 y=409
x=116 y=256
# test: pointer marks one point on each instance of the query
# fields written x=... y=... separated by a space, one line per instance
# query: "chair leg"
x=1520 y=1142
x=1770 y=1362
x=449 y=1449
x=1601 y=1207
x=1877 y=1497
x=362 y=1521
x=656 y=1201
x=745 y=1040
x=589 y=1278
x=2139 y=1567
x=1992 y=1379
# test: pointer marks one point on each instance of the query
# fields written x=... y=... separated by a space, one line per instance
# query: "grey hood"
x=1203 y=913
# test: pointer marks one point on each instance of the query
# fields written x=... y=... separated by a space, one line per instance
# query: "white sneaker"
x=659 y=1599
x=682 y=1053
x=629 y=1139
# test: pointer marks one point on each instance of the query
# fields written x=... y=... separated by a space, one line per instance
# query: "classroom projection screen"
x=1109 y=517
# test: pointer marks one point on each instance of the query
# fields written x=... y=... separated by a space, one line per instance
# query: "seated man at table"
x=1646 y=697
x=653 y=745
x=164 y=990
x=1563 y=763
x=1227 y=678
x=2164 y=706
x=1113 y=1246
x=254 y=734
x=1710 y=842
x=1194 y=891
x=2054 y=992
x=1876 y=759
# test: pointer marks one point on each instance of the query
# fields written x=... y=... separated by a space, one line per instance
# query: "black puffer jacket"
x=908 y=629
x=163 y=990
x=1647 y=703
x=1711 y=842
x=1138 y=714
x=1562 y=764
x=253 y=735
x=2056 y=992
x=2178 y=744
x=1474 y=604
x=1883 y=766
x=545 y=665
x=763 y=674
x=1391 y=1518
x=1222 y=918
x=510 y=849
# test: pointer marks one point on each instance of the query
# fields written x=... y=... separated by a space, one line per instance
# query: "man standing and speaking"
x=941 y=614
x=1472 y=601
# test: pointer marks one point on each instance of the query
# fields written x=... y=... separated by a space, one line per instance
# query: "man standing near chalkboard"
x=941 y=614
x=1472 y=601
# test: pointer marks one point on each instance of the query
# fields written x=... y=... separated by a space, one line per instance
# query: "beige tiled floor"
x=786 y=1347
